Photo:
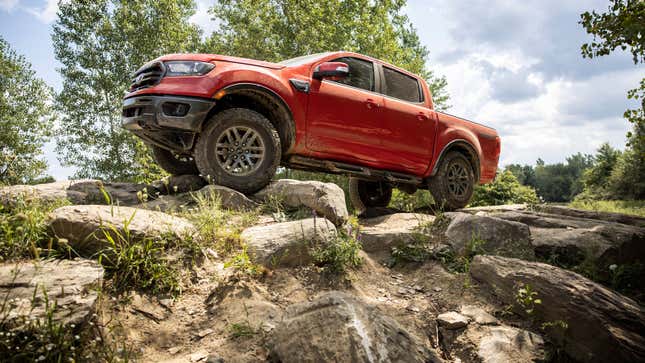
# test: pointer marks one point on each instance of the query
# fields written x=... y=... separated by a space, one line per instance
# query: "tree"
x=275 y=30
x=622 y=27
x=25 y=118
x=506 y=189
x=596 y=178
x=100 y=44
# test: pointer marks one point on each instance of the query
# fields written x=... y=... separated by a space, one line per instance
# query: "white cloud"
x=45 y=13
x=518 y=68
x=203 y=18
x=8 y=5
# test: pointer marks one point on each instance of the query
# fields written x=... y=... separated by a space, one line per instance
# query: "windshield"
x=302 y=60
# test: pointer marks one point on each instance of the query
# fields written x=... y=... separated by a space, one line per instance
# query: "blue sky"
x=514 y=65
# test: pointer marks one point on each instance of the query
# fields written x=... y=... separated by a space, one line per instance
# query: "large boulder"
x=177 y=184
x=327 y=199
x=384 y=232
x=489 y=234
x=66 y=288
x=570 y=241
x=84 y=226
x=287 y=243
x=337 y=327
x=227 y=197
x=603 y=326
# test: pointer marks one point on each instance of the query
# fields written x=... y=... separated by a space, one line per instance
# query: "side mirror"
x=331 y=70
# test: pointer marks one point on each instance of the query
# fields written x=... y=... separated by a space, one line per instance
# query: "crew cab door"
x=410 y=121
x=344 y=116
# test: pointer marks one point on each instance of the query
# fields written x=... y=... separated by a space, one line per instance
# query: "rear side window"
x=361 y=73
x=401 y=86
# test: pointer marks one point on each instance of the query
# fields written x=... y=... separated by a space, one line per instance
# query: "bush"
x=342 y=252
x=504 y=190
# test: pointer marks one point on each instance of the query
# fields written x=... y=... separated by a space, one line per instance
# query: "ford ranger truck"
x=236 y=120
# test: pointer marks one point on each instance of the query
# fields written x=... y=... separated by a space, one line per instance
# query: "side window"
x=361 y=73
x=401 y=86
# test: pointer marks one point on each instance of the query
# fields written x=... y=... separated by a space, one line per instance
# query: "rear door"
x=409 y=120
x=344 y=116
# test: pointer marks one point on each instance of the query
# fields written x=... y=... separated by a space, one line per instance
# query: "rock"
x=287 y=243
x=338 y=327
x=385 y=232
x=571 y=241
x=603 y=216
x=452 y=320
x=45 y=192
x=214 y=359
x=119 y=193
x=83 y=225
x=178 y=184
x=498 y=236
x=198 y=356
x=478 y=315
x=70 y=285
x=228 y=198
x=602 y=325
x=508 y=344
x=494 y=208
x=327 y=199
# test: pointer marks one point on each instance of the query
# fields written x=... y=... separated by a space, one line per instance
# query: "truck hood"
x=221 y=58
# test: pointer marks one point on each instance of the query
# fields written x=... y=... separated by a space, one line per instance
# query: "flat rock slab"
x=71 y=285
x=603 y=326
x=586 y=214
x=494 y=208
x=287 y=243
x=83 y=226
x=384 y=232
x=48 y=192
x=337 y=327
x=494 y=235
x=327 y=199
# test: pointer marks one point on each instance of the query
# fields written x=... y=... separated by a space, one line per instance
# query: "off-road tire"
x=449 y=190
x=173 y=164
x=364 y=194
x=205 y=150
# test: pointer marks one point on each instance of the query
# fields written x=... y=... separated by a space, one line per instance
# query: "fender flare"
x=285 y=124
x=462 y=144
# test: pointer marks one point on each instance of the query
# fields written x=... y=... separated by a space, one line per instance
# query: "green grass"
x=634 y=207
x=23 y=230
x=341 y=252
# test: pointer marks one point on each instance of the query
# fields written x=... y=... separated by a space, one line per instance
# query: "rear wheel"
x=239 y=149
x=366 y=194
x=453 y=184
x=173 y=163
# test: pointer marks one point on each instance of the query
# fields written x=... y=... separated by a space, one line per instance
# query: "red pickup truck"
x=236 y=120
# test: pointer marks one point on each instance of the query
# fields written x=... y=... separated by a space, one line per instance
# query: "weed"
x=29 y=339
x=242 y=263
x=527 y=299
x=141 y=264
x=239 y=330
x=460 y=263
x=340 y=252
x=23 y=229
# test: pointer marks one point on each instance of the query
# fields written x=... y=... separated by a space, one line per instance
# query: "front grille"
x=148 y=75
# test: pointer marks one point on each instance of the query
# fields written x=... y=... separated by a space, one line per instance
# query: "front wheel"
x=239 y=149
x=453 y=184
x=366 y=194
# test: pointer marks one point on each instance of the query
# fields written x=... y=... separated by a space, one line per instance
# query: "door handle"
x=422 y=117
x=370 y=103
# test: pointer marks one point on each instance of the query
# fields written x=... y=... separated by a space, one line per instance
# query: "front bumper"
x=170 y=122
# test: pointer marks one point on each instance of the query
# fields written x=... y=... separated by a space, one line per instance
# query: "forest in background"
x=126 y=34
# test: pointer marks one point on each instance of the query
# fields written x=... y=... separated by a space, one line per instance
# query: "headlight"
x=187 y=68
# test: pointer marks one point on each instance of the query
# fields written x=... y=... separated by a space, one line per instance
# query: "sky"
x=513 y=65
